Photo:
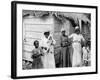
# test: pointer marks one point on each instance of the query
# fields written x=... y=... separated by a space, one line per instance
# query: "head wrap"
x=77 y=28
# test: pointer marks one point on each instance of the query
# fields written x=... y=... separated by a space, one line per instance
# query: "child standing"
x=86 y=54
x=36 y=56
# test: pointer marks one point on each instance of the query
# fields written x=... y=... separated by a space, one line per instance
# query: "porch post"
x=80 y=24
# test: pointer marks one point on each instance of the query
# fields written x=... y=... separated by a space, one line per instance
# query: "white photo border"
x=17 y=71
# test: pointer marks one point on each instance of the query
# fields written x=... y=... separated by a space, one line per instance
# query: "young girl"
x=36 y=56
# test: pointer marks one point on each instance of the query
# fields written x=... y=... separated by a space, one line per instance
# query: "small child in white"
x=86 y=54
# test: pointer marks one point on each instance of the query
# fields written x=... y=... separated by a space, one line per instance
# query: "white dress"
x=77 y=49
x=86 y=53
x=48 y=58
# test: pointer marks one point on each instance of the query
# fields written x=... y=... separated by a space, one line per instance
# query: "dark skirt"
x=37 y=63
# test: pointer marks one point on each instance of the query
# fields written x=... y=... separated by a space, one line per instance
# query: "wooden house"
x=34 y=26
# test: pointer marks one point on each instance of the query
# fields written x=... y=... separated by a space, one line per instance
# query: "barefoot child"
x=36 y=56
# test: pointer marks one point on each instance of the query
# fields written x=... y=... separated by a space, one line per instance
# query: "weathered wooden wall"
x=33 y=29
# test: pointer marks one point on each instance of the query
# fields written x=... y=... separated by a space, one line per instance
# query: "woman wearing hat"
x=77 y=39
x=47 y=44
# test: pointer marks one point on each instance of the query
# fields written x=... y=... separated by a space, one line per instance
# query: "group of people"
x=43 y=55
x=79 y=54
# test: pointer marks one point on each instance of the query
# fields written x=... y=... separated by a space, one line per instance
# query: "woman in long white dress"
x=77 y=39
x=47 y=44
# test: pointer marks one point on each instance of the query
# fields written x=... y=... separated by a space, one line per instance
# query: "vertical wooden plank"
x=80 y=24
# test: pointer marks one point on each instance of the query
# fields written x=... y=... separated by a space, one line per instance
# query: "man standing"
x=64 y=48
